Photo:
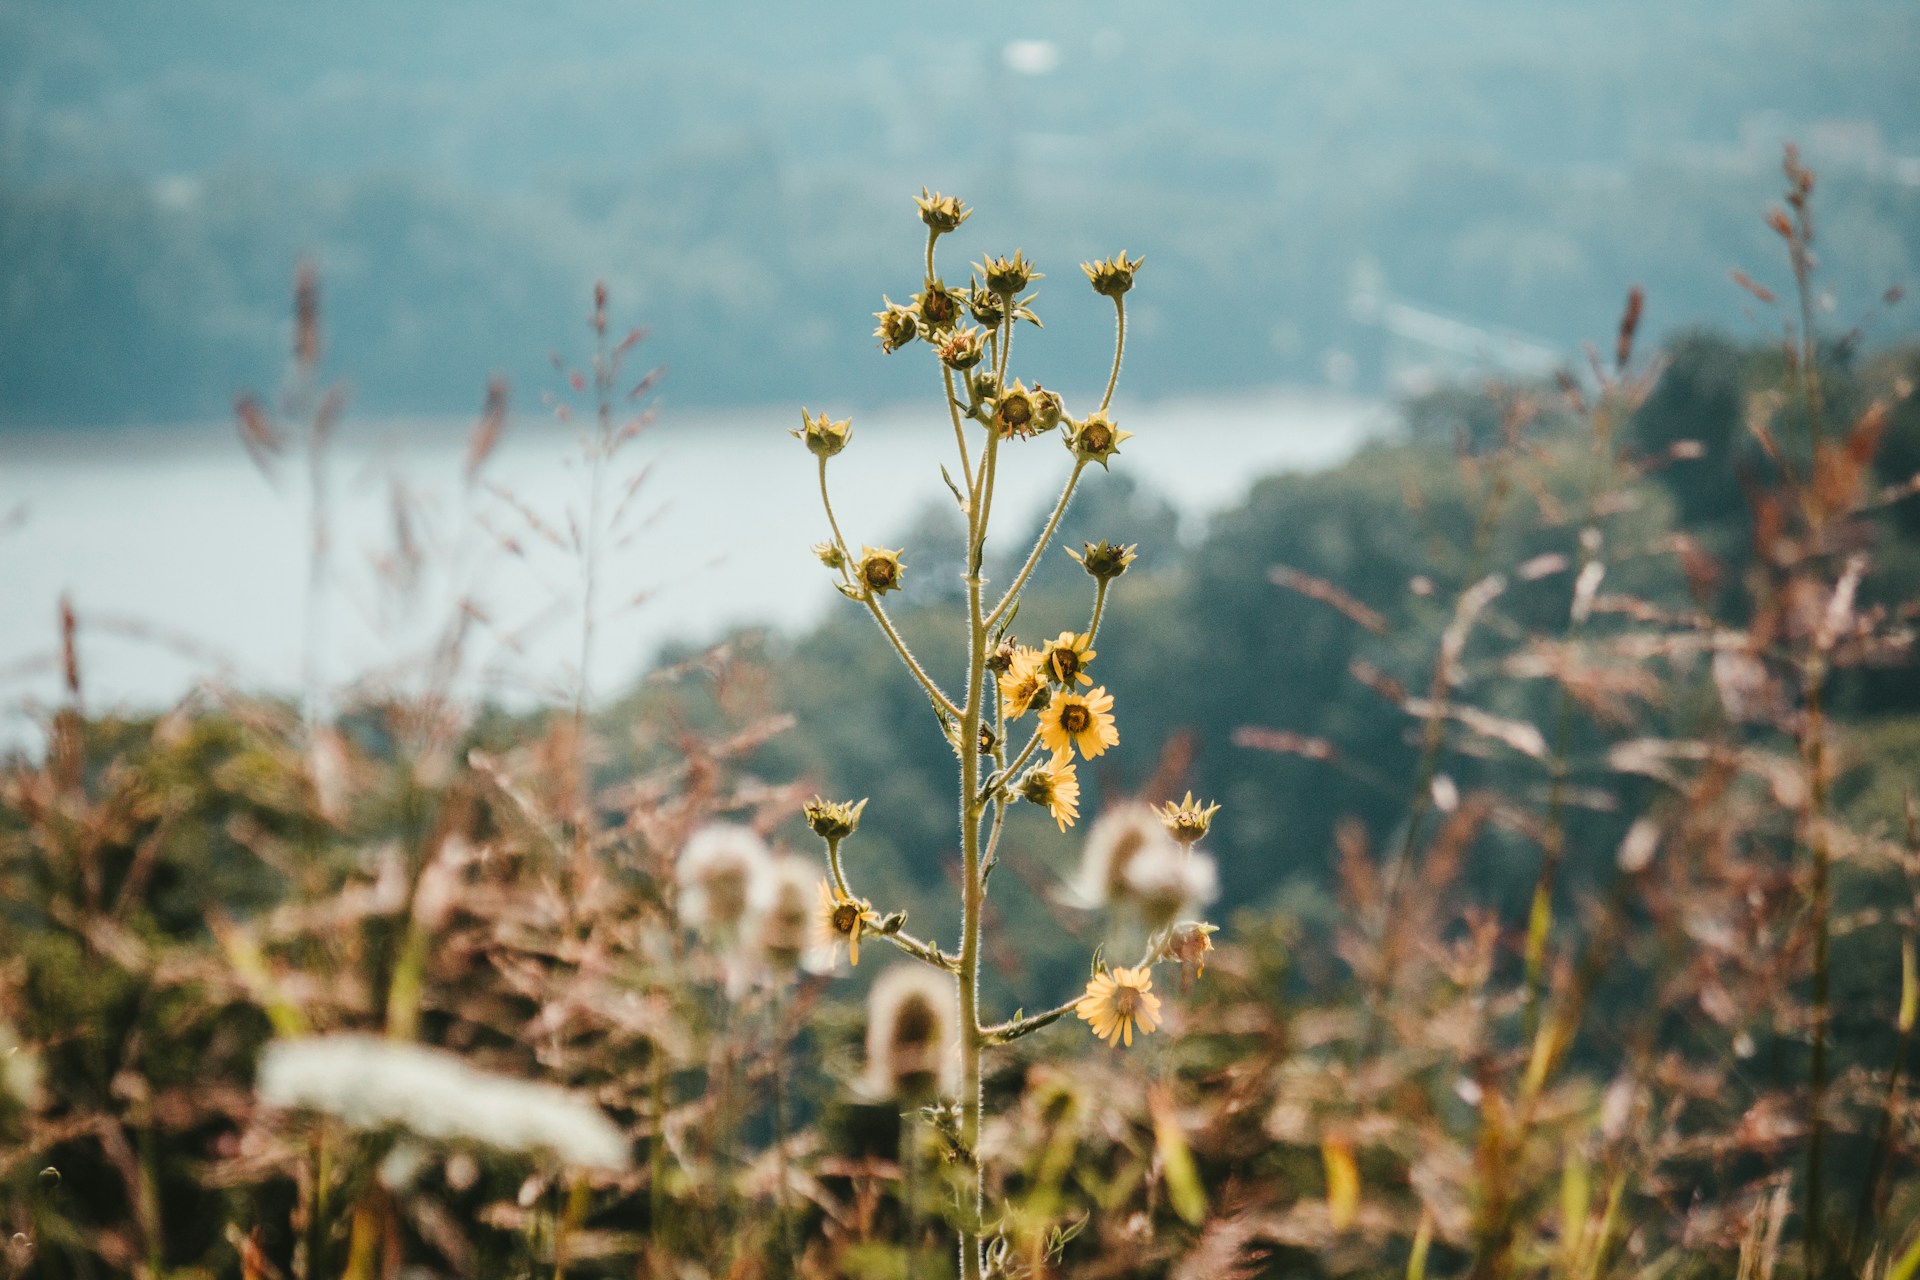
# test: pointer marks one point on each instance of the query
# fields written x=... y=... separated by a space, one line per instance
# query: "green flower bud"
x=1047 y=409
x=1103 y=560
x=824 y=437
x=829 y=554
x=941 y=213
x=982 y=387
x=1008 y=276
x=833 y=820
x=987 y=307
x=1112 y=277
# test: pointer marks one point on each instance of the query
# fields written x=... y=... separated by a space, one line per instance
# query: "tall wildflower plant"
x=1024 y=716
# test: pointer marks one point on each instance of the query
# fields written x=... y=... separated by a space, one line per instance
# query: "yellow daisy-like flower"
x=1067 y=656
x=1117 y=1001
x=1023 y=685
x=1083 y=720
x=1056 y=785
x=844 y=919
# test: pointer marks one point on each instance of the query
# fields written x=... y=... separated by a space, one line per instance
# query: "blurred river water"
x=185 y=564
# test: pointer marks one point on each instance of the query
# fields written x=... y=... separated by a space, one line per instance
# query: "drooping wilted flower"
x=1055 y=786
x=898 y=326
x=373 y=1083
x=843 y=919
x=1117 y=1000
x=722 y=877
x=1082 y=720
x=1188 y=944
x=1023 y=685
x=1067 y=656
x=912 y=1052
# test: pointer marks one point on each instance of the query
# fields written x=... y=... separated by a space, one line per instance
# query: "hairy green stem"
x=973 y=887
x=1040 y=545
x=880 y=614
x=1119 y=348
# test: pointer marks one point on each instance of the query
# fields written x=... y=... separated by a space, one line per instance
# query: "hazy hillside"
x=463 y=171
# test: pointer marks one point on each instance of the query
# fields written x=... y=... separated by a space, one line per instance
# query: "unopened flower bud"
x=833 y=819
x=982 y=387
x=897 y=326
x=1187 y=821
x=1094 y=438
x=1112 y=277
x=1103 y=560
x=824 y=437
x=1008 y=276
x=1000 y=657
x=829 y=554
x=941 y=213
x=1188 y=944
x=1047 y=409
x=987 y=307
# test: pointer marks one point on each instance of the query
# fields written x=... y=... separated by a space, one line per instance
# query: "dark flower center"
x=845 y=916
x=1074 y=718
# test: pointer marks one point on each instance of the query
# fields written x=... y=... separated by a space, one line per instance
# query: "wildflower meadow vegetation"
x=1550 y=774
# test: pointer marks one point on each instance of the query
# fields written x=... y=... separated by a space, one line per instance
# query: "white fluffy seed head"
x=722 y=874
x=912 y=1046
x=787 y=931
x=370 y=1083
x=1168 y=883
x=1114 y=842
